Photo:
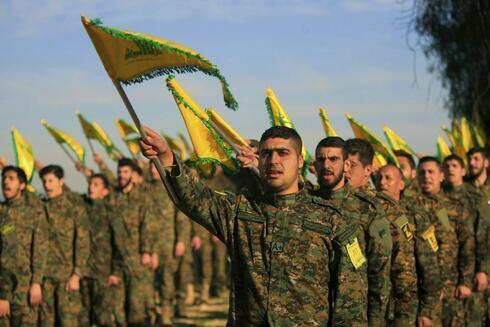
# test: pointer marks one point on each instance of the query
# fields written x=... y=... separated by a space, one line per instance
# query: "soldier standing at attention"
x=452 y=238
x=68 y=251
x=23 y=248
x=280 y=242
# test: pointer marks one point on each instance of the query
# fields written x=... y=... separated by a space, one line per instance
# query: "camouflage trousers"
x=140 y=301
x=99 y=303
x=21 y=313
x=59 y=307
x=220 y=267
x=476 y=309
x=452 y=309
x=185 y=274
x=164 y=279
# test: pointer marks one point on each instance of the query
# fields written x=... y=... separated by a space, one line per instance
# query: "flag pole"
x=68 y=154
x=137 y=122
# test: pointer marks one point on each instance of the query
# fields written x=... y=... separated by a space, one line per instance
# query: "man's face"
x=406 y=169
x=389 y=181
x=53 y=186
x=96 y=189
x=279 y=165
x=453 y=172
x=358 y=175
x=124 y=175
x=11 y=186
x=477 y=163
x=330 y=166
x=430 y=177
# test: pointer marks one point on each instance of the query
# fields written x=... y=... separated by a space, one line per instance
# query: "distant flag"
x=208 y=145
x=396 y=142
x=88 y=129
x=63 y=138
x=187 y=146
x=131 y=57
x=129 y=134
x=175 y=146
x=362 y=132
x=456 y=129
x=279 y=117
x=24 y=156
x=379 y=160
x=478 y=133
x=466 y=137
x=327 y=127
x=443 y=149
x=457 y=147
x=228 y=131
x=94 y=131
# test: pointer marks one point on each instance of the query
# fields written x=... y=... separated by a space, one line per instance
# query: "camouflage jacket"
x=139 y=232
x=376 y=245
x=69 y=245
x=105 y=256
x=23 y=246
x=280 y=248
x=482 y=202
x=404 y=291
x=454 y=238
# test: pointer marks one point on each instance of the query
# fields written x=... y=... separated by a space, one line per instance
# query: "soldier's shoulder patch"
x=404 y=225
x=442 y=216
x=7 y=229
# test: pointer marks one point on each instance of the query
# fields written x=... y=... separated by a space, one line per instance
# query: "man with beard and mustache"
x=23 y=249
x=452 y=238
x=281 y=242
x=415 y=296
x=454 y=172
x=370 y=293
x=140 y=241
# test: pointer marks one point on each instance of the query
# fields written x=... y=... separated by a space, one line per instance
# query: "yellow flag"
x=208 y=145
x=396 y=142
x=187 y=146
x=457 y=147
x=379 y=160
x=88 y=129
x=478 y=132
x=62 y=137
x=443 y=149
x=175 y=146
x=362 y=132
x=329 y=131
x=129 y=134
x=132 y=57
x=105 y=141
x=232 y=135
x=465 y=138
x=456 y=129
x=279 y=117
x=24 y=157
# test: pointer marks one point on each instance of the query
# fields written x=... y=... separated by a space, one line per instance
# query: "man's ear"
x=22 y=186
x=62 y=181
x=301 y=161
x=347 y=165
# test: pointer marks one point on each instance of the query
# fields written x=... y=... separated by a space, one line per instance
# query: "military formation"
x=359 y=246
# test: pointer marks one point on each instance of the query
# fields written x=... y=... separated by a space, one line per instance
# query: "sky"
x=348 y=56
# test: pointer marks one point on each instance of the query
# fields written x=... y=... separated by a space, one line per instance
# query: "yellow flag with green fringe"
x=327 y=127
x=208 y=145
x=175 y=146
x=457 y=147
x=478 y=132
x=379 y=160
x=396 y=142
x=279 y=117
x=88 y=129
x=129 y=134
x=230 y=133
x=63 y=138
x=362 y=132
x=466 y=138
x=106 y=142
x=131 y=57
x=24 y=156
x=456 y=130
x=443 y=149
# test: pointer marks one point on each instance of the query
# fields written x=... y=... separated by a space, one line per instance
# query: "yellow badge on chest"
x=355 y=253
x=430 y=236
x=7 y=229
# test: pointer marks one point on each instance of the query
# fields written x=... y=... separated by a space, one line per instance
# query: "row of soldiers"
x=110 y=257
x=335 y=253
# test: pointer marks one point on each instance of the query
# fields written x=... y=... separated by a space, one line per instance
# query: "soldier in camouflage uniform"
x=23 y=248
x=409 y=170
x=364 y=280
x=478 y=187
x=139 y=236
x=452 y=237
x=280 y=242
x=67 y=254
x=103 y=283
x=183 y=254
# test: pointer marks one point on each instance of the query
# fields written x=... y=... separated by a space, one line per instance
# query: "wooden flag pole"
x=137 y=122
x=68 y=154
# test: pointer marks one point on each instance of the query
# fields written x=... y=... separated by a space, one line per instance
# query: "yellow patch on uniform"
x=404 y=225
x=7 y=229
x=220 y=193
x=443 y=217
x=355 y=253
x=430 y=236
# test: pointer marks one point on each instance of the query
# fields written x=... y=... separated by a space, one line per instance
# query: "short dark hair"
x=477 y=149
x=429 y=159
x=103 y=177
x=21 y=175
x=283 y=132
x=405 y=154
x=127 y=162
x=52 y=169
x=361 y=147
x=137 y=169
x=333 y=142
x=253 y=143
x=454 y=157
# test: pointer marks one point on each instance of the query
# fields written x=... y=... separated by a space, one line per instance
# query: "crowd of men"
x=413 y=251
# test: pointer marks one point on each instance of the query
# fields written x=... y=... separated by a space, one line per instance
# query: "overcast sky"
x=347 y=56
